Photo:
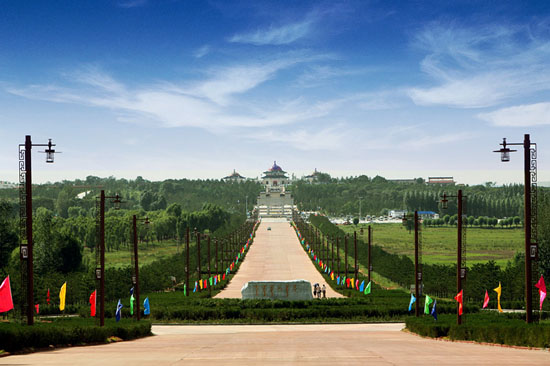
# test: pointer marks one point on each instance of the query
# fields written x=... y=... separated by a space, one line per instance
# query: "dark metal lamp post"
x=461 y=247
x=100 y=272
x=135 y=277
x=25 y=219
x=530 y=218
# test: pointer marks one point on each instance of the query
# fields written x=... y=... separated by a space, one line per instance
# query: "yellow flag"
x=200 y=284
x=219 y=278
x=498 y=290
x=332 y=276
x=62 y=294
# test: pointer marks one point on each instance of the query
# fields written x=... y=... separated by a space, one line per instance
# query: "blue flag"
x=131 y=291
x=434 y=311
x=118 y=308
x=413 y=299
x=362 y=287
x=338 y=280
x=146 y=308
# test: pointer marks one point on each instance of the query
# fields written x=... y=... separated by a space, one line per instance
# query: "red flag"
x=347 y=282
x=6 y=301
x=542 y=290
x=486 y=301
x=223 y=278
x=37 y=308
x=48 y=298
x=458 y=298
x=93 y=303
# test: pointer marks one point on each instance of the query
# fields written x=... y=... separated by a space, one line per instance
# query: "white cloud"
x=480 y=67
x=519 y=116
x=284 y=34
x=208 y=104
x=202 y=51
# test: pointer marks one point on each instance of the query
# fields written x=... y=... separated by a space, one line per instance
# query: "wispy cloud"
x=328 y=138
x=207 y=104
x=482 y=66
x=202 y=51
x=277 y=35
x=132 y=3
x=519 y=116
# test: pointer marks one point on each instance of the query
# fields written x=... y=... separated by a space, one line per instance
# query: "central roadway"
x=275 y=255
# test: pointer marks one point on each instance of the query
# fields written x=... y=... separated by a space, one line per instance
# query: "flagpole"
x=199 y=256
x=417 y=274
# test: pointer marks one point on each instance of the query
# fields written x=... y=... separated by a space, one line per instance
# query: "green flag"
x=184 y=290
x=132 y=304
x=210 y=280
x=427 y=303
x=367 y=289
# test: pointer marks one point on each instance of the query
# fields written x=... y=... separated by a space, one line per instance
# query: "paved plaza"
x=275 y=255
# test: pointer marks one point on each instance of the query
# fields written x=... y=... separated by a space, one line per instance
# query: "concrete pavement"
x=323 y=344
x=275 y=255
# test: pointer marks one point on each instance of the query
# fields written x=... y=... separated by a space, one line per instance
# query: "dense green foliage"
x=64 y=332
x=490 y=327
x=341 y=197
x=381 y=305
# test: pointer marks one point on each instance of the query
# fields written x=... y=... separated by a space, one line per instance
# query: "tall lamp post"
x=100 y=272
x=417 y=262
x=530 y=219
x=135 y=277
x=25 y=219
x=461 y=247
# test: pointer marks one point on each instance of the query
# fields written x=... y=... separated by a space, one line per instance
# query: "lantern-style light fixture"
x=147 y=222
x=444 y=202
x=49 y=151
x=504 y=152
x=117 y=201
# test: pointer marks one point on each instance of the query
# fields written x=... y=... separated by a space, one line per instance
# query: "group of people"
x=318 y=291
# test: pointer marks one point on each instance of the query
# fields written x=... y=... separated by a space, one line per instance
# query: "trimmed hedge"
x=488 y=327
x=66 y=332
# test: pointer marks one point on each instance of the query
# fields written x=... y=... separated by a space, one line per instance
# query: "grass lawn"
x=439 y=244
x=147 y=254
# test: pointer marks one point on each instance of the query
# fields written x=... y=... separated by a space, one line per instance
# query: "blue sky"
x=195 y=89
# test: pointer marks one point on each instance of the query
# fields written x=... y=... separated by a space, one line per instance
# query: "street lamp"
x=100 y=272
x=417 y=260
x=135 y=277
x=530 y=200
x=461 y=247
x=25 y=218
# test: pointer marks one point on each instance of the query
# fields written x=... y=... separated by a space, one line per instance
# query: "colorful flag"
x=357 y=284
x=37 y=308
x=413 y=299
x=93 y=303
x=542 y=290
x=332 y=275
x=62 y=294
x=347 y=282
x=6 y=301
x=486 y=301
x=146 y=308
x=434 y=311
x=210 y=280
x=459 y=299
x=362 y=287
x=48 y=297
x=118 y=310
x=338 y=280
x=200 y=284
x=215 y=280
x=367 y=289
x=352 y=282
x=498 y=290
x=195 y=289
x=427 y=303
x=205 y=284
x=223 y=278
x=219 y=278
x=132 y=299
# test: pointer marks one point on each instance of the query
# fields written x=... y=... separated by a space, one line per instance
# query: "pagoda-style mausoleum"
x=234 y=178
x=275 y=201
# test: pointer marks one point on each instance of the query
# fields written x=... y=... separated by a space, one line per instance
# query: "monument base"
x=277 y=290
